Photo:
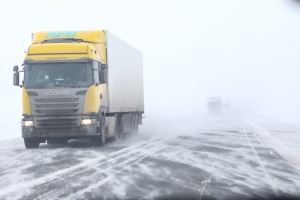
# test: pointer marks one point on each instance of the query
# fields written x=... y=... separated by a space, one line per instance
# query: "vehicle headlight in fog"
x=27 y=123
x=88 y=121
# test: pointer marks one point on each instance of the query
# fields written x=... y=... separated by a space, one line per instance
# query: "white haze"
x=247 y=52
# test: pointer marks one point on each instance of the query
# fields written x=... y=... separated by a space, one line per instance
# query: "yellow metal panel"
x=102 y=52
x=58 y=48
x=92 y=47
x=65 y=51
x=26 y=109
x=92 y=101
x=57 y=57
x=95 y=36
x=93 y=53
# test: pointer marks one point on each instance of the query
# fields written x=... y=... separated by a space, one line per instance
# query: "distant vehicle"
x=214 y=105
x=80 y=84
x=225 y=105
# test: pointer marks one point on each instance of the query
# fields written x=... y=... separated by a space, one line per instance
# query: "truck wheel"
x=31 y=143
x=132 y=123
x=100 y=140
x=136 y=124
x=103 y=131
x=117 y=127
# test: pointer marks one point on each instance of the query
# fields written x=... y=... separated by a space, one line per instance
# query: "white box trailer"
x=125 y=76
x=125 y=89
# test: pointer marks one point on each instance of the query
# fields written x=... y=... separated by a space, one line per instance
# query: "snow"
x=239 y=155
x=280 y=133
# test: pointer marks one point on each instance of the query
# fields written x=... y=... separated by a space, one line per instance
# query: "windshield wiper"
x=37 y=86
x=66 y=85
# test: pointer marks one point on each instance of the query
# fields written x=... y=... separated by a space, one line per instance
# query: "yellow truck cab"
x=80 y=84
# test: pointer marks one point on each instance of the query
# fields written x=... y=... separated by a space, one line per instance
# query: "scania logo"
x=56 y=93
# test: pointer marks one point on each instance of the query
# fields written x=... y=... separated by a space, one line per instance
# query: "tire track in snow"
x=282 y=149
x=110 y=167
x=266 y=174
x=208 y=180
x=124 y=157
x=124 y=165
x=84 y=166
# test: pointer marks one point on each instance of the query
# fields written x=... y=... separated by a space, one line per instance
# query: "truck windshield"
x=213 y=104
x=42 y=75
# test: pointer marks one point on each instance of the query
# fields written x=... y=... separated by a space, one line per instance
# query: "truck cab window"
x=95 y=71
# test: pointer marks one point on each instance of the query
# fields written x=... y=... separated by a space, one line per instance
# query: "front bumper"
x=83 y=131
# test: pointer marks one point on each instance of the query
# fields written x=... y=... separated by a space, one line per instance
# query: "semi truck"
x=214 y=104
x=79 y=84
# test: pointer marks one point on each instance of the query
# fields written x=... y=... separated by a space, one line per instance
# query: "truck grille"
x=56 y=111
x=57 y=100
x=61 y=122
x=65 y=105
x=57 y=106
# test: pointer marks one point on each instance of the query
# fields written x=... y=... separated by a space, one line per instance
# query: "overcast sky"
x=245 y=51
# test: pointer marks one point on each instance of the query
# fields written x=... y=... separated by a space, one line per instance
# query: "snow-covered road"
x=238 y=157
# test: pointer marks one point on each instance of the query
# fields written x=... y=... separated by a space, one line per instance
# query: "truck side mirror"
x=103 y=67
x=102 y=76
x=16 y=78
x=16 y=68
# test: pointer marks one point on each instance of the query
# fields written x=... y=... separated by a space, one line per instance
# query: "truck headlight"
x=88 y=121
x=27 y=123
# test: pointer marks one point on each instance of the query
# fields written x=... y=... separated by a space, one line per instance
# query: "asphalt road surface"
x=221 y=157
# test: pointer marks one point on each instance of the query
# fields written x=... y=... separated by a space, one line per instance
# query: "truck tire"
x=117 y=129
x=132 y=123
x=103 y=131
x=136 y=124
x=101 y=139
x=102 y=128
x=31 y=143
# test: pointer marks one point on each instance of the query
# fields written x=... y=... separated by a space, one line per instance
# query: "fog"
x=244 y=51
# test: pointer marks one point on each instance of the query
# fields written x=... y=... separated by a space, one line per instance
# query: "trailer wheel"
x=132 y=123
x=117 y=131
x=31 y=143
x=136 y=124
